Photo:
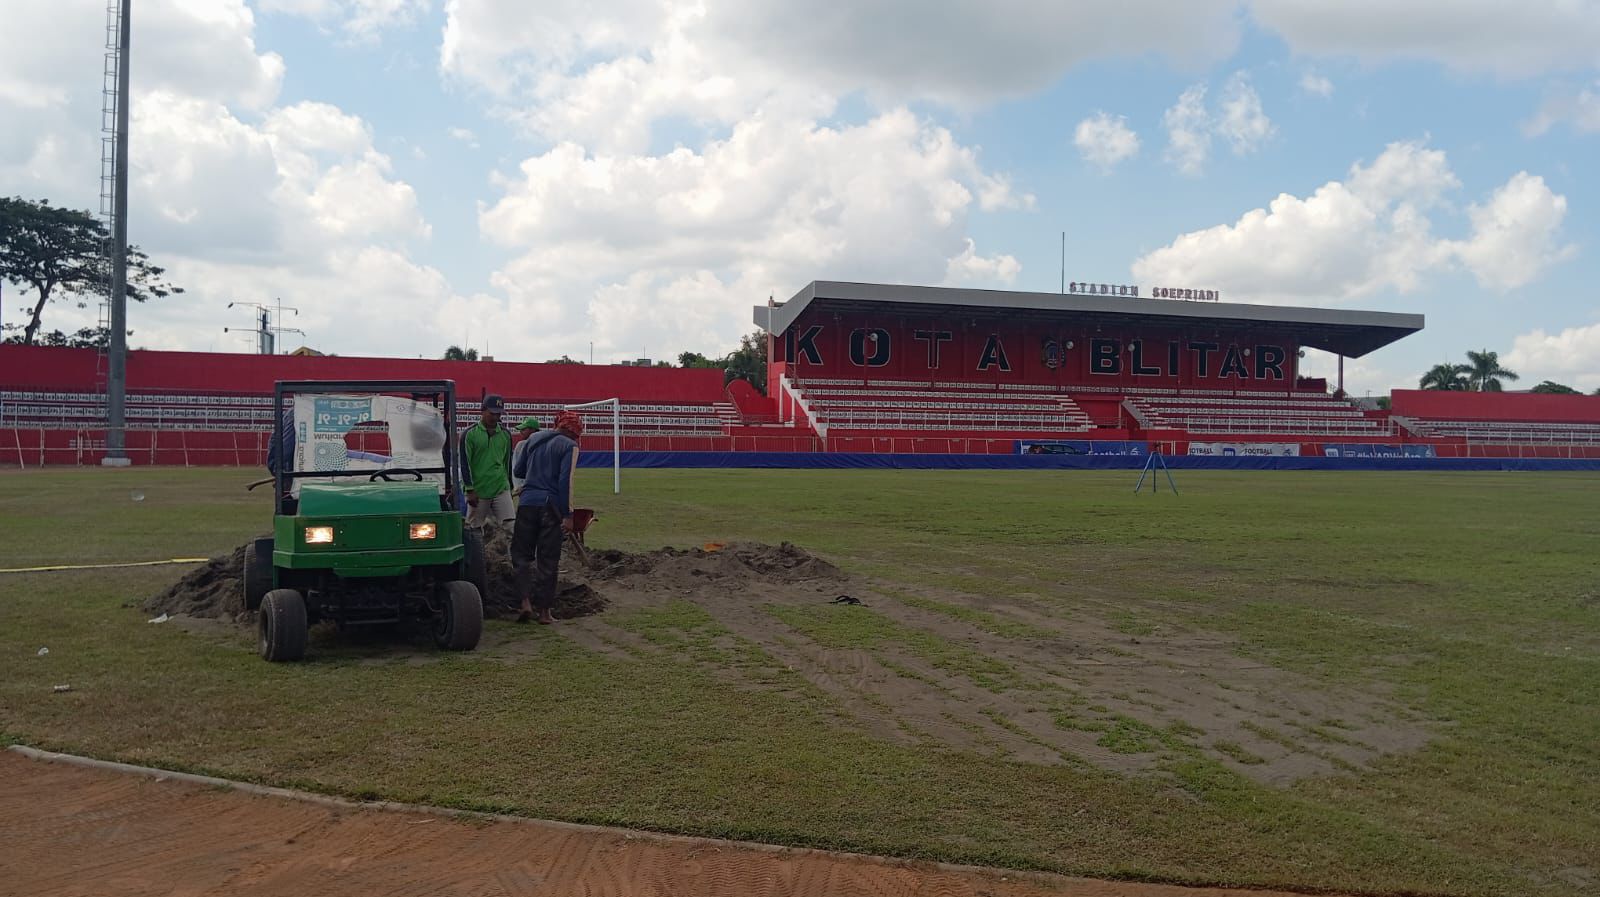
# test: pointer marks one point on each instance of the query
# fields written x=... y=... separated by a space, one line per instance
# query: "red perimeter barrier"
x=1496 y=406
x=37 y=367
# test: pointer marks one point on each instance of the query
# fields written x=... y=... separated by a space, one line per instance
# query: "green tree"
x=564 y=359
x=748 y=362
x=85 y=338
x=1449 y=375
x=456 y=353
x=1484 y=372
x=696 y=360
x=1551 y=387
x=61 y=253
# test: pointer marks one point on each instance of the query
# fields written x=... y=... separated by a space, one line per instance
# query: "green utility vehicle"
x=367 y=526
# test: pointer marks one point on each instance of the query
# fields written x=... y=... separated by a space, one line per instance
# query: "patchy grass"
x=1468 y=598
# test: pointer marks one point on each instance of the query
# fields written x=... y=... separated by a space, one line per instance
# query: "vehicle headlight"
x=319 y=535
x=424 y=530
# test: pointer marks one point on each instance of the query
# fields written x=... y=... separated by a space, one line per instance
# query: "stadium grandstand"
x=867 y=368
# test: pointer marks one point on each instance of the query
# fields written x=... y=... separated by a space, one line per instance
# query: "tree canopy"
x=61 y=253
x=1550 y=387
x=1482 y=372
x=456 y=353
x=1485 y=373
x=1448 y=376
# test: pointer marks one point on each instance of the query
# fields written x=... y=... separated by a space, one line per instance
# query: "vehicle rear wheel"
x=281 y=626
x=476 y=564
x=257 y=573
x=459 y=624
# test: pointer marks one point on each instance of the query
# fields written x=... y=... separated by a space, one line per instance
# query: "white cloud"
x=1368 y=234
x=239 y=198
x=1511 y=39
x=1105 y=140
x=1190 y=125
x=966 y=52
x=1515 y=234
x=1406 y=172
x=971 y=268
x=1580 y=110
x=362 y=19
x=1188 y=131
x=1571 y=357
x=1316 y=85
x=1243 y=123
x=672 y=249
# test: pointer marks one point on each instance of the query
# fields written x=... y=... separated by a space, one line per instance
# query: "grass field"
x=1438 y=635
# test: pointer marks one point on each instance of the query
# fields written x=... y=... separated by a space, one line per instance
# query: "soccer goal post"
x=616 y=437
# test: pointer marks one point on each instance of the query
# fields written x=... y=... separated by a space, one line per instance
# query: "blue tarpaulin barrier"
x=862 y=461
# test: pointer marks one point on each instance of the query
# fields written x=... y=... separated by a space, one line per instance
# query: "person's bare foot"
x=526 y=616
x=546 y=618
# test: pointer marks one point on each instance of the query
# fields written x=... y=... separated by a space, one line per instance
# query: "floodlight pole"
x=117 y=375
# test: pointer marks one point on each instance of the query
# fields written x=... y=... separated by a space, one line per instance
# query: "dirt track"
x=67 y=830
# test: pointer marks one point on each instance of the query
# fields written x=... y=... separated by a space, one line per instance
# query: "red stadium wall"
x=34 y=367
x=1496 y=406
x=825 y=343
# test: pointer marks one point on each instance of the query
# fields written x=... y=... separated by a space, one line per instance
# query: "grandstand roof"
x=1349 y=333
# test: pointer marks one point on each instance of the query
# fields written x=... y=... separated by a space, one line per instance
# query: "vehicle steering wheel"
x=384 y=474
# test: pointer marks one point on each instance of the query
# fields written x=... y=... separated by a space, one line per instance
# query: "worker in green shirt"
x=486 y=467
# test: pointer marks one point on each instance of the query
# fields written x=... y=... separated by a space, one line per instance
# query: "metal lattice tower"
x=108 y=171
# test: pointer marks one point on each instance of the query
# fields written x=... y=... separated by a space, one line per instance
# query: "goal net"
x=616 y=436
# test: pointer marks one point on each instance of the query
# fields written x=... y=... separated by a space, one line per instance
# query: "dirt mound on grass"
x=574 y=596
x=785 y=563
x=666 y=569
x=216 y=589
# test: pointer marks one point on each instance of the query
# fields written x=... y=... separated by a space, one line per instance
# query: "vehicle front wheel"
x=460 y=622
x=257 y=573
x=281 y=626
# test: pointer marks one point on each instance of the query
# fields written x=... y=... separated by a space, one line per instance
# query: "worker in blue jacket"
x=544 y=513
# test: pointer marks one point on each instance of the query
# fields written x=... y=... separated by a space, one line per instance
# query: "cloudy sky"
x=534 y=177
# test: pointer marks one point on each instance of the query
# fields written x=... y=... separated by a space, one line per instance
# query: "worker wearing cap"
x=544 y=513
x=528 y=427
x=486 y=466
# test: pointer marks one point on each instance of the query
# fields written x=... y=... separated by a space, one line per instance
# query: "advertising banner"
x=1245 y=449
x=1081 y=447
x=1368 y=450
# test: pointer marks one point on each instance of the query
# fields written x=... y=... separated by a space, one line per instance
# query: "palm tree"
x=456 y=353
x=1484 y=371
x=1448 y=375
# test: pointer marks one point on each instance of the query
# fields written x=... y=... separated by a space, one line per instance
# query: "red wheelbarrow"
x=581 y=518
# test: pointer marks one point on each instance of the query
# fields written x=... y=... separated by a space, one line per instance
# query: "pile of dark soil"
x=734 y=563
x=574 y=596
x=216 y=589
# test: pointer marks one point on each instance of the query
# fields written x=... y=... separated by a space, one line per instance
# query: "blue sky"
x=636 y=173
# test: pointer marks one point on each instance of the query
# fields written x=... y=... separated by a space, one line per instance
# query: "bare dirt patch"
x=1017 y=679
x=88 y=831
